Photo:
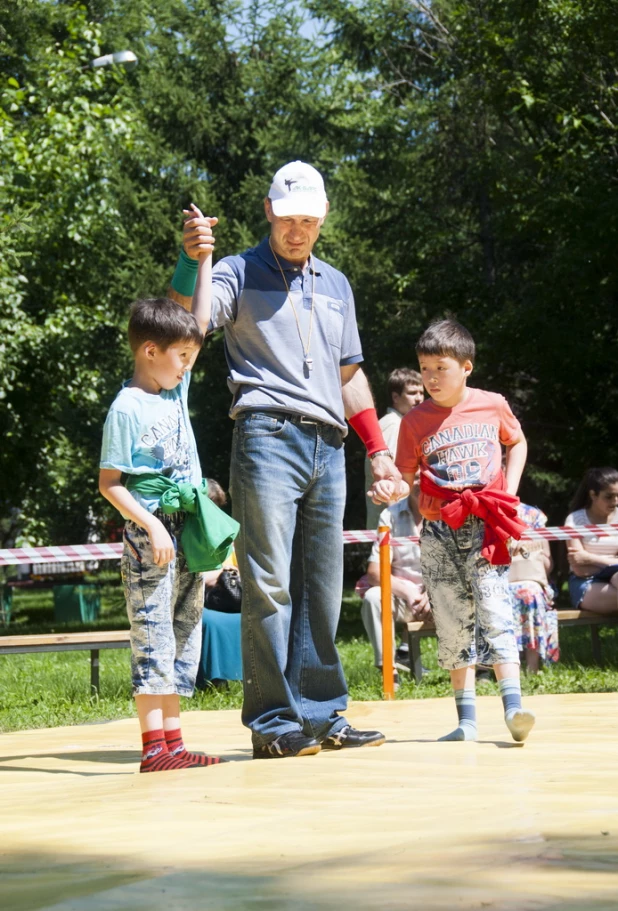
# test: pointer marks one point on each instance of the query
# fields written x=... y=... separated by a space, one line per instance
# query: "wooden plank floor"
x=413 y=824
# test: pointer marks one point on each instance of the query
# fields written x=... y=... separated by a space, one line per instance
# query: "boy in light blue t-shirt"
x=148 y=432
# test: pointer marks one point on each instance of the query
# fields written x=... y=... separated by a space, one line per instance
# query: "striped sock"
x=155 y=755
x=519 y=721
x=177 y=749
x=465 y=700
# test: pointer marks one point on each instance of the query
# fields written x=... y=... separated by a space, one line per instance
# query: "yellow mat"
x=413 y=824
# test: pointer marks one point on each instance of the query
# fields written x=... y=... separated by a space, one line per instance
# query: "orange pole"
x=388 y=680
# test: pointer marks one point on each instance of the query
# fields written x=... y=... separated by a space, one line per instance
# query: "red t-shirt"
x=456 y=447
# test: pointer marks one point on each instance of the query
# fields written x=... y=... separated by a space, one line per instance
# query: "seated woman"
x=536 y=622
x=593 y=561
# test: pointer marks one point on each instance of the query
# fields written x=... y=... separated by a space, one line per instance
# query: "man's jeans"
x=288 y=493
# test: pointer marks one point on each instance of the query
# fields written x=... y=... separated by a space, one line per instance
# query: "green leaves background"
x=470 y=152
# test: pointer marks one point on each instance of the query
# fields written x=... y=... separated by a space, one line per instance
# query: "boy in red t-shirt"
x=469 y=509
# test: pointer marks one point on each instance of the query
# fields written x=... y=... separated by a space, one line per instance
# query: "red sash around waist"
x=492 y=504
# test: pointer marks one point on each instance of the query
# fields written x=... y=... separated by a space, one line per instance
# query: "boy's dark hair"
x=596 y=479
x=162 y=321
x=399 y=379
x=447 y=338
x=216 y=493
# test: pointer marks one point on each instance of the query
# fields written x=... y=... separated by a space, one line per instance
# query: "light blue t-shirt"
x=146 y=433
x=262 y=339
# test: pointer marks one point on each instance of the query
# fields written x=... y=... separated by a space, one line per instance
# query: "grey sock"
x=465 y=700
x=519 y=721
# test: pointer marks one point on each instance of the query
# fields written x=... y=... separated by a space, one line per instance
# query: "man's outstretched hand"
x=197 y=236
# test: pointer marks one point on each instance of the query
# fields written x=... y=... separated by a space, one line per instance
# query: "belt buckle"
x=306 y=420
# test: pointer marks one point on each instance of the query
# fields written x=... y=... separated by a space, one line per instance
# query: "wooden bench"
x=68 y=642
x=420 y=629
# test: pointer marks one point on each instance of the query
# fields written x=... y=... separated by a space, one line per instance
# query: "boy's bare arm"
x=112 y=488
x=201 y=247
x=515 y=464
x=202 y=299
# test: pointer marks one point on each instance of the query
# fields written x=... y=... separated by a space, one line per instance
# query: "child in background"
x=148 y=436
x=470 y=511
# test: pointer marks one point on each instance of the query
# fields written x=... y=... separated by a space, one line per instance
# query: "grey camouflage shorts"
x=470 y=598
x=164 y=605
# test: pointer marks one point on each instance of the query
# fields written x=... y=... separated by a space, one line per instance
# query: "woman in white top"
x=593 y=581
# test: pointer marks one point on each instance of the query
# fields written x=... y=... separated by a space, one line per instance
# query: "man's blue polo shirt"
x=262 y=344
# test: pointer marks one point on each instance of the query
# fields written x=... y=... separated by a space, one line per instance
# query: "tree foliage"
x=487 y=151
x=98 y=165
x=470 y=153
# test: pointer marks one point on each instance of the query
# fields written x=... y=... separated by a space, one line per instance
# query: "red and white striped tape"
x=555 y=533
x=70 y=553
x=65 y=554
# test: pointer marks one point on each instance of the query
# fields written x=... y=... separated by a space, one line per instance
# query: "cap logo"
x=301 y=188
x=289 y=183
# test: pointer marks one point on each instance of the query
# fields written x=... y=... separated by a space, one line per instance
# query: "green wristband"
x=185 y=275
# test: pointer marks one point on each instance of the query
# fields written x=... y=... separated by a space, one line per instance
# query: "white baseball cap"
x=298 y=189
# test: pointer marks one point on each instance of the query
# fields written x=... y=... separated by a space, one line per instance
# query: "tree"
x=60 y=126
x=486 y=153
x=98 y=168
x=469 y=150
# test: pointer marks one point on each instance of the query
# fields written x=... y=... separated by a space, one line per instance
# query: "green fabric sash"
x=208 y=533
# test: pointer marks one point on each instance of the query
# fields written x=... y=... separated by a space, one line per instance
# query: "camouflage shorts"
x=470 y=599
x=164 y=605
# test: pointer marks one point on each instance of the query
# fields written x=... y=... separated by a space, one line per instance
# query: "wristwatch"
x=380 y=452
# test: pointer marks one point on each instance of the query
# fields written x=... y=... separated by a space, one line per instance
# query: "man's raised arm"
x=198 y=241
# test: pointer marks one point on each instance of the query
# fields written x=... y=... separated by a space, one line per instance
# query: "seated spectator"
x=220 y=658
x=405 y=391
x=216 y=493
x=219 y=498
x=536 y=622
x=593 y=561
x=409 y=600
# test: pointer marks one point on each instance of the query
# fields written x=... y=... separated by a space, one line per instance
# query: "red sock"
x=178 y=750
x=156 y=756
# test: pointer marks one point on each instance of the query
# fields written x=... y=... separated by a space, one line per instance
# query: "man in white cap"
x=293 y=352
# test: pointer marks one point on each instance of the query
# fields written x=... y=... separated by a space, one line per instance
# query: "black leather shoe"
x=349 y=737
x=294 y=743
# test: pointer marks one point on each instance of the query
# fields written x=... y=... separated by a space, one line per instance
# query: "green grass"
x=53 y=689
x=33 y=610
